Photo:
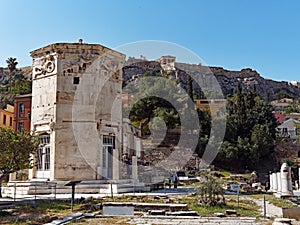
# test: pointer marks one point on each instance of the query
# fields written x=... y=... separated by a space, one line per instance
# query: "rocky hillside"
x=228 y=80
x=5 y=75
x=13 y=84
x=250 y=79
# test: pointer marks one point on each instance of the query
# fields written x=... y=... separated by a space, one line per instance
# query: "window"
x=44 y=139
x=108 y=140
x=4 y=119
x=76 y=80
x=10 y=121
x=20 y=126
x=40 y=159
x=43 y=156
x=47 y=158
x=104 y=157
x=108 y=145
x=21 y=108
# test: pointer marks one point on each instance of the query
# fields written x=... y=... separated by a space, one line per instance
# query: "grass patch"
x=45 y=211
x=41 y=212
x=281 y=203
x=244 y=208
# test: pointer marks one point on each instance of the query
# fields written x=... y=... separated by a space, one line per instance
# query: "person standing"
x=175 y=179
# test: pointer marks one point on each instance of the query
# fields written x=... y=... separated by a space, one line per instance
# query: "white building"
x=76 y=111
x=295 y=83
x=289 y=128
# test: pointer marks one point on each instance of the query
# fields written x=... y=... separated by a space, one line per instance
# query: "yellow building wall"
x=7 y=117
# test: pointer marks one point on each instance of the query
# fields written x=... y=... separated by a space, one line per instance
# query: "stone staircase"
x=29 y=187
x=84 y=187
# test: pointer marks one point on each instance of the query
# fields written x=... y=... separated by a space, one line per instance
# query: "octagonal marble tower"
x=76 y=111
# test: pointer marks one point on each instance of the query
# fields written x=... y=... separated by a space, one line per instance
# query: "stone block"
x=282 y=221
x=182 y=213
x=110 y=210
x=293 y=212
x=219 y=214
x=231 y=212
x=157 y=212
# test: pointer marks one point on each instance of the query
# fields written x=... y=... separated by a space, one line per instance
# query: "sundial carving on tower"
x=44 y=66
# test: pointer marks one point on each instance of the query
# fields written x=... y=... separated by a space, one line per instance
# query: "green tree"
x=210 y=191
x=20 y=86
x=149 y=101
x=241 y=112
x=12 y=64
x=237 y=155
x=198 y=93
x=293 y=107
x=157 y=124
x=298 y=136
x=250 y=131
x=247 y=152
x=262 y=139
x=190 y=88
x=16 y=148
x=204 y=132
x=228 y=153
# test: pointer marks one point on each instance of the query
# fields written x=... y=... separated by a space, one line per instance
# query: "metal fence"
x=17 y=191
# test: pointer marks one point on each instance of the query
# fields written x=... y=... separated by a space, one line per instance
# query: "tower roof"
x=71 y=47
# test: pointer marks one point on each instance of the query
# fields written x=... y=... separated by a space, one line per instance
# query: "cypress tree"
x=190 y=87
x=241 y=112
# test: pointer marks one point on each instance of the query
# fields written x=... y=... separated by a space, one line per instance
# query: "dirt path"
x=271 y=210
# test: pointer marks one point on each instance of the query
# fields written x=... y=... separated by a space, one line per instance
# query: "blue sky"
x=234 y=34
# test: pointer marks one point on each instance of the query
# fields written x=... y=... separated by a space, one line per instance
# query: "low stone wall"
x=149 y=206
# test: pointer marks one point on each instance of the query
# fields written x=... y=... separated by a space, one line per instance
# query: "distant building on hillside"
x=295 y=116
x=281 y=117
x=214 y=106
x=295 y=83
x=288 y=129
x=167 y=62
x=6 y=116
x=22 y=114
x=281 y=104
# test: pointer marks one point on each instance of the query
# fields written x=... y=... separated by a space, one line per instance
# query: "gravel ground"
x=271 y=210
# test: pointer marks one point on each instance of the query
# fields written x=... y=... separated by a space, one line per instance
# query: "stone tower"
x=76 y=111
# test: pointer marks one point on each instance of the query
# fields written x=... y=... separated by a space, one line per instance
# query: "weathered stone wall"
x=77 y=99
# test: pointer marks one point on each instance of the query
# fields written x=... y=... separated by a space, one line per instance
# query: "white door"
x=43 y=157
x=107 y=157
